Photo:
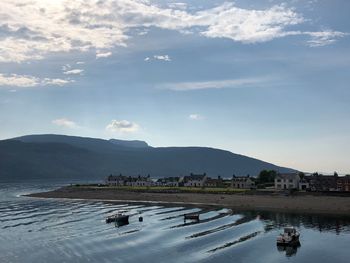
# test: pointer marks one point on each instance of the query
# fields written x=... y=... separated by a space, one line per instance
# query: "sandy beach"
x=309 y=204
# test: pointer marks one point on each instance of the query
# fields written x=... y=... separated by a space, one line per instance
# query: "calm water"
x=33 y=230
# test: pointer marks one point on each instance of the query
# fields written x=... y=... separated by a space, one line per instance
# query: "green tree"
x=301 y=175
x=267 y=176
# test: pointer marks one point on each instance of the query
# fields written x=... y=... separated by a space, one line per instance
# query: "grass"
x=165 y=189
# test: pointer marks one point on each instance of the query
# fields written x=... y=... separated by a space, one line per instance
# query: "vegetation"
x=266 y=177
x=168 y=189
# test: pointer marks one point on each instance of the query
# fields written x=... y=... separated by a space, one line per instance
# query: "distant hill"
x=134 y=144
x=71 y=157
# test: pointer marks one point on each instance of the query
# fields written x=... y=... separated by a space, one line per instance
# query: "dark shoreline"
x=304 y=204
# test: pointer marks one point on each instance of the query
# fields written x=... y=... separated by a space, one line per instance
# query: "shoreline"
x=301 y=204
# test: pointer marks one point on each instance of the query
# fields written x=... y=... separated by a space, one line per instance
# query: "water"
x=37 y=230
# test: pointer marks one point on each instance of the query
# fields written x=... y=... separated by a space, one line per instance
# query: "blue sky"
x=267 y=79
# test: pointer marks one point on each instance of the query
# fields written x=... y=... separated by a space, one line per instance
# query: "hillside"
x=71 y=157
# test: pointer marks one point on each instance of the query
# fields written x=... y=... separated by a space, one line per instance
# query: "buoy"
x=140 y=219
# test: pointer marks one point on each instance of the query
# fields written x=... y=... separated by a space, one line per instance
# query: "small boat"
x=290 y=236
x=119 y=218
x=192 y=216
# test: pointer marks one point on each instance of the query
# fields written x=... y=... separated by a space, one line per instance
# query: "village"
x=297 y=181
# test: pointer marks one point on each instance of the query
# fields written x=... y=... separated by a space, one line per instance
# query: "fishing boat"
x=192 y=216
x=118 y=218
x=290 y=236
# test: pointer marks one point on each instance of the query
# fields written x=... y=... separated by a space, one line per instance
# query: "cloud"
x=323 y=38
x=216 y=84
x=103 y=55
x=162 y=57
x=66 y=67
x=57 y=82
x=73 y=72
x=66 y=123
x=24 y=81
x=80 y=63
x=158 y=57
x=32 y=29
x=178 y=5
x=195 y=117
x=122 y=126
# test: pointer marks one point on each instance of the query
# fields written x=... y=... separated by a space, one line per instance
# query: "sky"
x=268 y=79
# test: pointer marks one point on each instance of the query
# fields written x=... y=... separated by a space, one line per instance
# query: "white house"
x=195 y=180
x=244 y=182
x=287 y=181
x=304 y=184
x=142 y=181
x=119 y=180
x=168 y=181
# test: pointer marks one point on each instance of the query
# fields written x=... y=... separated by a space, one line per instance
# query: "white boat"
x=289 y=237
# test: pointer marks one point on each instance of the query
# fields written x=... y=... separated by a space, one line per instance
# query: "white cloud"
x=195 y=117
x=80 y=63
x=158 y=57
x=323 y=38
x=122 y=126
x=103 y=54
x=31 y=29
x=73 y=72
x=66 y=123
x=178 y=5
x=58 y=82
x=66 y=67
x=216 y=84
x=24 y=81
x=162 y=57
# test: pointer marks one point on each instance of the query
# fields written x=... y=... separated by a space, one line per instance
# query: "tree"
x=301 y=175
x=267 y=176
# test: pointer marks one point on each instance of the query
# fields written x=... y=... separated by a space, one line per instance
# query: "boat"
x=192 y=216
x=289 y=237
x=118 y=218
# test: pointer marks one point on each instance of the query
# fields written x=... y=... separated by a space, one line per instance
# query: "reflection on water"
x=35 y=230
x=288 y=250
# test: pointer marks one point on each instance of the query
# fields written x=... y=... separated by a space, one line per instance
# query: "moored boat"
x=290 y=236
x=191 y=216
x=118 y=218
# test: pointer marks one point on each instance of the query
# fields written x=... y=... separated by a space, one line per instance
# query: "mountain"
x=133 y=144
x=71 y=157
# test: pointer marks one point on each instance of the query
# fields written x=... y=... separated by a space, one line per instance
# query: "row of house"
x=314 y=182
x=192 y=180
x=121 y=180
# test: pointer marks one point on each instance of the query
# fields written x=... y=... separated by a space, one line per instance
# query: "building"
x=211 y=182
x=319 y=182
x=343 y=183
x=168 y=181
x=121 y=180
x=287 y=181
x=142 y=181
x=242 y=182
x=195 y=180
x=304 y=184
x=118 y=180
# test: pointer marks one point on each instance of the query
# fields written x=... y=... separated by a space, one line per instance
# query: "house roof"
x=240 y=178
x=288 y=176
x=168 y=179
x=195 y=177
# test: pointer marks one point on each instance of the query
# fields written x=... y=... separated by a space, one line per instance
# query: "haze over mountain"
x=70 y=157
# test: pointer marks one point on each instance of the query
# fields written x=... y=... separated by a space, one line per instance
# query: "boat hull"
x=122 y=220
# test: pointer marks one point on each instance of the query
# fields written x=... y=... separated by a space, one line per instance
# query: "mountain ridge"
x=72 y=157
